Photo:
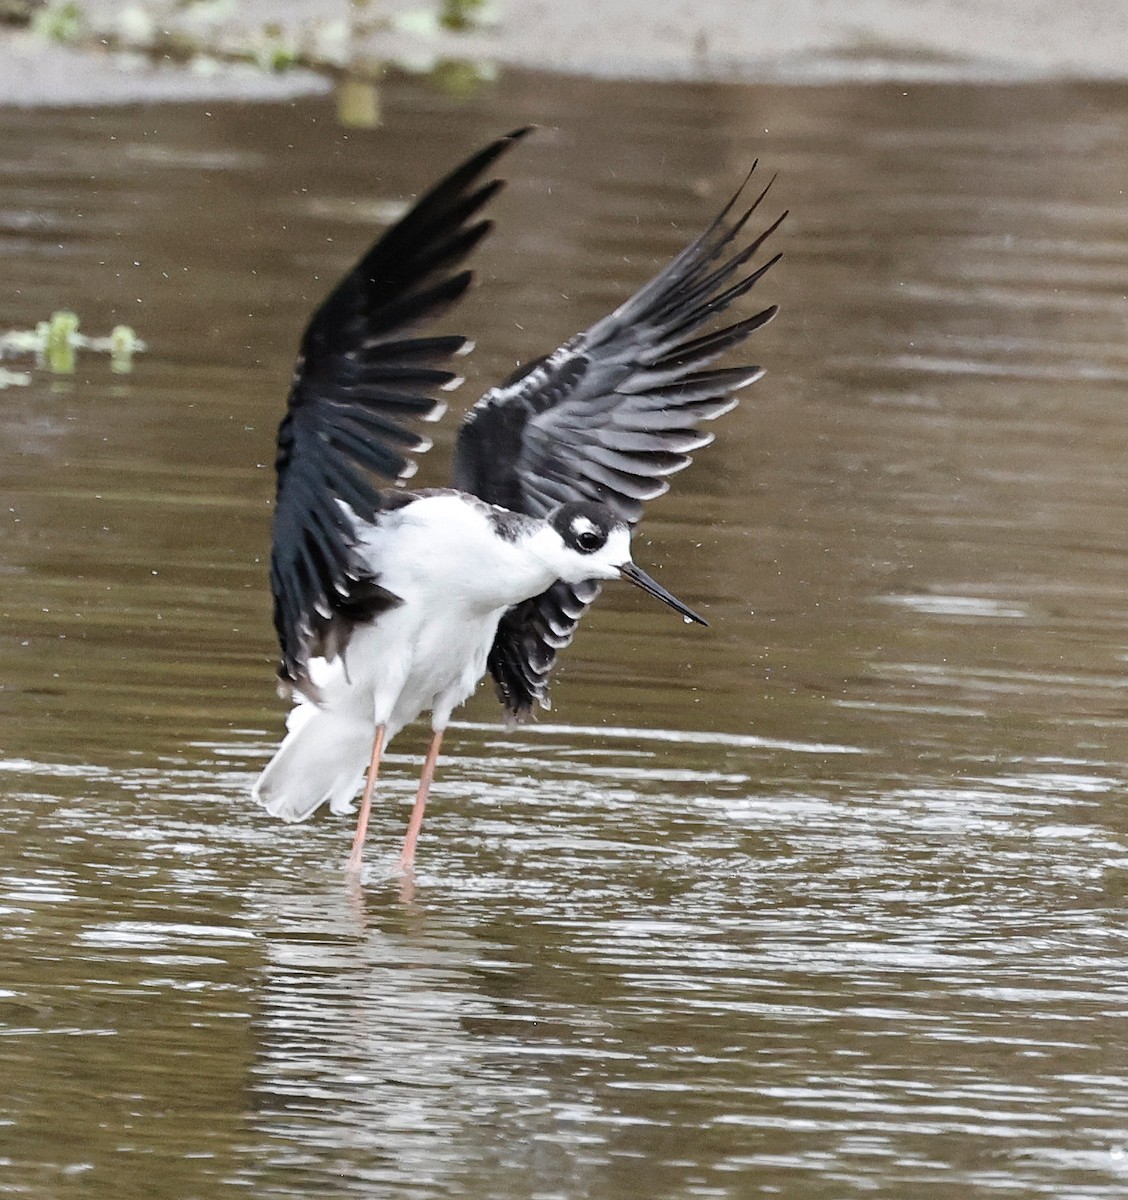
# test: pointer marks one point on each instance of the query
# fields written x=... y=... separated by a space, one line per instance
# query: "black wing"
x=608 y=417
x=358 y=378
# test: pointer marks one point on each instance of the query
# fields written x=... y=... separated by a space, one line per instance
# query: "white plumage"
x=455 y=574
x=390 y=603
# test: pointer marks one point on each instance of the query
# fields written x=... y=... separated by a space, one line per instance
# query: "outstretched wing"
x=359 y=378
x=608 y=417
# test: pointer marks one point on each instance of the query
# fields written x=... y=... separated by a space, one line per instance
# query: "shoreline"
x=159 y=51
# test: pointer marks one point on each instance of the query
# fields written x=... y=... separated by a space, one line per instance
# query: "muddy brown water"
x=827 y=900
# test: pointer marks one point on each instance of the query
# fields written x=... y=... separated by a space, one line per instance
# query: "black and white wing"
x=360 y=378
x=608 y=417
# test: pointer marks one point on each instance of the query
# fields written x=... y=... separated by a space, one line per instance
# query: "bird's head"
x=594 y=543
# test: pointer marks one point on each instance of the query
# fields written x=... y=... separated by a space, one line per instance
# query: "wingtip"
x=751 y=375
x=485 y=158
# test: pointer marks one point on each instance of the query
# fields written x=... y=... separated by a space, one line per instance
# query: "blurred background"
x=824 y=901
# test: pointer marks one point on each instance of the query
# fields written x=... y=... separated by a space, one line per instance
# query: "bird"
x=388 y=601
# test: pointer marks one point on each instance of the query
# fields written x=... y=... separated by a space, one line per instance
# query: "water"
x=824 y=901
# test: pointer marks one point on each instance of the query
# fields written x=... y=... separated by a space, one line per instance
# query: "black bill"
x=640 y=579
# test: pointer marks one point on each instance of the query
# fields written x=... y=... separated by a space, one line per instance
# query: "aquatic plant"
x=54 y=343
x=64 y=22
x=463 y=15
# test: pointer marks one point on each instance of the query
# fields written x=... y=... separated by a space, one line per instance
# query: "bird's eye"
x=588 y=541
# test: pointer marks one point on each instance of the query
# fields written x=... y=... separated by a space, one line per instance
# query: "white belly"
x=456 y=579
x=399 y=667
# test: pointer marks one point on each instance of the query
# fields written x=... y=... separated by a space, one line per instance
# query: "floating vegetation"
x=208 y=36
x=274 y=51
x=63 y=22
x=458 y=16
x=55 y=344
x=464 y=15
x=210 y=31
x=460 y=77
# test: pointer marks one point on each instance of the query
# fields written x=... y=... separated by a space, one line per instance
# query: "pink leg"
x=407 y=856
x=366 y=804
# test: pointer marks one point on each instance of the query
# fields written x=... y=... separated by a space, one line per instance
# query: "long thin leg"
x=357 y=855
x=407 y=856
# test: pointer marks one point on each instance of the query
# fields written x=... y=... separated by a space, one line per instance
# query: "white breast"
x=443 y=547
x=443 y=557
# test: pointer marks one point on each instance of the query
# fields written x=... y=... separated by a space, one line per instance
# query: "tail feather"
x=322 y=758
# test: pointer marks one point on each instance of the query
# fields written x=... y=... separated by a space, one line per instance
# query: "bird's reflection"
x=383 y=881
x=362 y=1038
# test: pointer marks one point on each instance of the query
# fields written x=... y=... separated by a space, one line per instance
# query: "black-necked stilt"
x=390 y=602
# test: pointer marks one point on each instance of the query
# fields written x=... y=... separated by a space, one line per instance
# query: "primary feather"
x=609 y=416
x=360 y=379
